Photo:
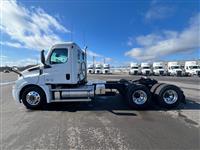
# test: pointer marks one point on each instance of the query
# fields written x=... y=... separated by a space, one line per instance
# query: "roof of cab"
x=65 y=44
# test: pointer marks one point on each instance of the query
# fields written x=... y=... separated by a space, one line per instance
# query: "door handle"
x=67 y=76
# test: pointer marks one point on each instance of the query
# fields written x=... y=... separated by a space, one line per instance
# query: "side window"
x=59 y=56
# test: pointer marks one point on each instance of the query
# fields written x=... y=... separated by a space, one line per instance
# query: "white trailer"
x=192 y=68
x=62 y=77
x=174 y=69
x=106 y=69
x=91 y=69
x=158 y=68
x=98 y=69
x=146 y=68
x=134 y=69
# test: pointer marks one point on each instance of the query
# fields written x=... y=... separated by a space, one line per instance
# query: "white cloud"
x=148 y=39
x=131 y=41
x=19 y=63
x=93 y=54
x=98 y=58
x=12 y=44
x=108 y=59
x=158 y=11
x=154 y=46
x=3 y=56
x=29 y=28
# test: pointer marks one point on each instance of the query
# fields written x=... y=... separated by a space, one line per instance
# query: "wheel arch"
x=31 y=85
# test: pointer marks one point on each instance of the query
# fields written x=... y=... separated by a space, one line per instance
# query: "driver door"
x=59 y=72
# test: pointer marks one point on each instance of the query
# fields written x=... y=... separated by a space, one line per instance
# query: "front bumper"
x=15 y=94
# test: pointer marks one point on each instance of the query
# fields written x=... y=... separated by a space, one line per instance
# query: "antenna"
x=84 y=42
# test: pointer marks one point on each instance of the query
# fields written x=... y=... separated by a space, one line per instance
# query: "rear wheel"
x=169 y=96
x=33 y=98
x=138 y=96
x=155 y=86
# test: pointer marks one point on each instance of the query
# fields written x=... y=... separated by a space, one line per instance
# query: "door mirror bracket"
x=42 y=58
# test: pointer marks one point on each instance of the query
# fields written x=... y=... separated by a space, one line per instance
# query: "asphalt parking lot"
x=107 y=123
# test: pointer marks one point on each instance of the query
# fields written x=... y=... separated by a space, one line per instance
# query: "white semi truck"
x=106 y=69
x=98 y=69
x=192 y=68
x=62 y=77
x=158 y=68
x=134 y=69
x=91 y=69
x=174 y=69
x=146 y=68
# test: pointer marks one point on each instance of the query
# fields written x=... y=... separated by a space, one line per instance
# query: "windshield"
x=145 y=67
x=175 y=67
x=134 y=67
x=90 y=67
x=106 y=67
x=194 y=67
x=158 y=67
x=98 y=67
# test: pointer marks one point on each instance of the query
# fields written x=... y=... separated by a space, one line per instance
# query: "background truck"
x=174 y=69
x=91 y=69
x=62 y=77
x=192 y=68
x=146 y=68
x=98 y=69
x=134 y=69
x=106 y=69
x=158 y=68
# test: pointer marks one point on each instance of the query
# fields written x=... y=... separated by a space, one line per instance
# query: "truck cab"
x=174 y=69
x=146 y=69
x=158 y=68
x=91 y=69
x=134 y=69
x=192 y=68
x=98 y=69
x=106 y=69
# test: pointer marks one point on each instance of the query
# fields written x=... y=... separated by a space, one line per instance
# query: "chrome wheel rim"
x=139 y=97
x=33 y=98
x=170 y=96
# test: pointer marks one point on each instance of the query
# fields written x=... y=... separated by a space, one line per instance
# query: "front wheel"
x=33 y=98
x=138 y=96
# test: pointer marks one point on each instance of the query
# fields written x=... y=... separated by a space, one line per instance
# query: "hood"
x=193 y=70
x=177 y=69
x=31 y=71
x=134 y=69
x=159 y=69
x=146 y=69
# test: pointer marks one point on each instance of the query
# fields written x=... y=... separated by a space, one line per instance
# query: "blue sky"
x=119 y=31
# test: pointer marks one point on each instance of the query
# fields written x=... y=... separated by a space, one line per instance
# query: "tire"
x=154 y=87
x=37 y=92
x=134 y=89
x=162 y=96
